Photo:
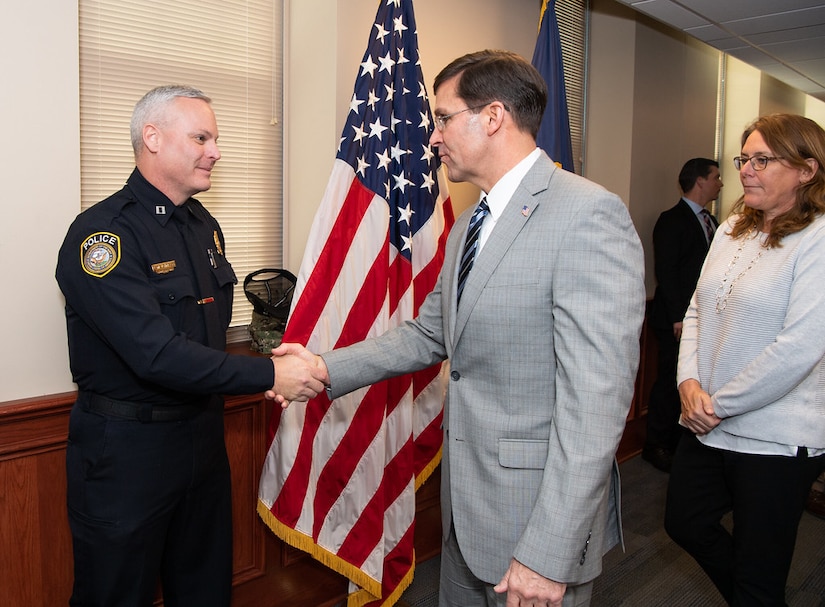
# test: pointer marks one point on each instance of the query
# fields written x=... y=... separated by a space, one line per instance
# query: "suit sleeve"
x=412 y=346
x=668 y=261
x=598 y=308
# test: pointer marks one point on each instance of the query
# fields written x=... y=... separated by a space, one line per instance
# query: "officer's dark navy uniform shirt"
x=136 y=329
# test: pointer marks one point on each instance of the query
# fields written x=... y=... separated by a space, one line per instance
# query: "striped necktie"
x=471 y=245
x=710 y=229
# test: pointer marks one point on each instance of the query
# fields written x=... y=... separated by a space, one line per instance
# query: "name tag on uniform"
x=164 y=267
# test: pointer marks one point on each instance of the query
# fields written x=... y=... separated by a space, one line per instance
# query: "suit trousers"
x=149 y=501
x=458 y=586
x=663 y=429
x=766 y=494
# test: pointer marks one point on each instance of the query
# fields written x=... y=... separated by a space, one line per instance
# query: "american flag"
x=339 y=478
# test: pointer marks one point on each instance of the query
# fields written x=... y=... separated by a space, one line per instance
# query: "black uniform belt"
x=142 y=412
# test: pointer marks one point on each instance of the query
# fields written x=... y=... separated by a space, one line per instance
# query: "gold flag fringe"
x=370 y=588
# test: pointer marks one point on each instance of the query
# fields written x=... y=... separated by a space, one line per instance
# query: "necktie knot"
x=471 y=245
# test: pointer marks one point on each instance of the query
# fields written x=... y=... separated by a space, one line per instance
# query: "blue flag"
x=554 y=133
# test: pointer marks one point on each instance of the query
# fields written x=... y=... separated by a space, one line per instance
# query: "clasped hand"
x=527 y=588
x=299 y=374
x=698 y=415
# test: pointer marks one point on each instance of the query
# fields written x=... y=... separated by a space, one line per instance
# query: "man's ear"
x=495 y=115
x=151 y=137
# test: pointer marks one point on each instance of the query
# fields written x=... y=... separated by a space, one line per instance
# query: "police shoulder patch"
x=100 y=253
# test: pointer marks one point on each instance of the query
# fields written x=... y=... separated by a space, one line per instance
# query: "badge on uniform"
x=100 y=253
x=217 y=242
x=164 y=267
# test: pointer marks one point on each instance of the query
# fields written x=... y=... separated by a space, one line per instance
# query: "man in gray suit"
x=543 y=344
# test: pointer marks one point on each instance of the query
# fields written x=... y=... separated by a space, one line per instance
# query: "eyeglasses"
x=759 y=163
x=441 y=121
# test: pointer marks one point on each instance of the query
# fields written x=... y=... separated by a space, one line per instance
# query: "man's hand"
x=526 y=588
x=299 y=374
x=697 y=408
x=677 y=330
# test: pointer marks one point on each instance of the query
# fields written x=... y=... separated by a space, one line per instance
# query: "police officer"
x=148 y=300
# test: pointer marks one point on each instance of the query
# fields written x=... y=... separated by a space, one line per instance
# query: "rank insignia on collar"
x=100 y=253
x=160 y=209
x=164 y=267
x=217 y=242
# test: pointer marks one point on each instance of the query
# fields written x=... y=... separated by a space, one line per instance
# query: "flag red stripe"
x=400 y=278
x=307 y=311
x=365 y=534
x=339 y=468
x=287 y=507
x=396 y=565
x=368 y=303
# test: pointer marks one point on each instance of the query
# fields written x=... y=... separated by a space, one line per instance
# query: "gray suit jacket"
x=543 y=355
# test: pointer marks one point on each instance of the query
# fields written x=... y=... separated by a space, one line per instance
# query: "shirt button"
x=455 y=375
x=171 y=297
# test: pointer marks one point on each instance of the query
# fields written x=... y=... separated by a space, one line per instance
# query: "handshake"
x=299 y=374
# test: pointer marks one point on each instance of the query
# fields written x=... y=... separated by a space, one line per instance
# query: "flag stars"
x=397 y=152
x=428 y=182
x=373 y=100
x=428 y=153
x=383 y=160
x=425 y=121
x=399 y=24
x=355 y=103
x=363 y=165
x=359 y=132
x=382 y=33
x=405 y=214
x=377 y=129
x=390 y=88
x=401 y=182
x=387 y=63
x=407 y=243
x=368 y=67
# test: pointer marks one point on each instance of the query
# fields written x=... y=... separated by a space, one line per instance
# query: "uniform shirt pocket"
x=224 y=274
x=171 y=290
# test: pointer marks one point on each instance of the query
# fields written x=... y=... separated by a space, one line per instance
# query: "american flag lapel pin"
x=525 y=210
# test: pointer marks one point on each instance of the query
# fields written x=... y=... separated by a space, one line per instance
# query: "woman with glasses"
x=752 y=369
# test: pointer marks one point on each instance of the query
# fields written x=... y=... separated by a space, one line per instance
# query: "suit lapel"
x=512 y=221
x=690 y=216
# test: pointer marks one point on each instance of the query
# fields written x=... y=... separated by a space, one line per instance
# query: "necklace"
x=725 y=289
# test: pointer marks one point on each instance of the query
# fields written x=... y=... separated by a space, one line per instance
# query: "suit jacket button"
x=455 y=375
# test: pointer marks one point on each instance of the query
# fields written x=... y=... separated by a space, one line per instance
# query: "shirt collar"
x=501 y=193
x=156 y=203
x=697 y=208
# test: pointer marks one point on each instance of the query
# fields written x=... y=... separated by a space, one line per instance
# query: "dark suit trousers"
x=766 y=494
x=663 y=409
x=149 y=501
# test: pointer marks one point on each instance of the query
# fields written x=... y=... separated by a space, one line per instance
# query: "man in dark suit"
x=681 y=239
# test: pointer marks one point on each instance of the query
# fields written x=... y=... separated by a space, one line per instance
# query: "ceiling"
x=783 y=38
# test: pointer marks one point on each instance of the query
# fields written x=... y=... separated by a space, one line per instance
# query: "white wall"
x=40 y=176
